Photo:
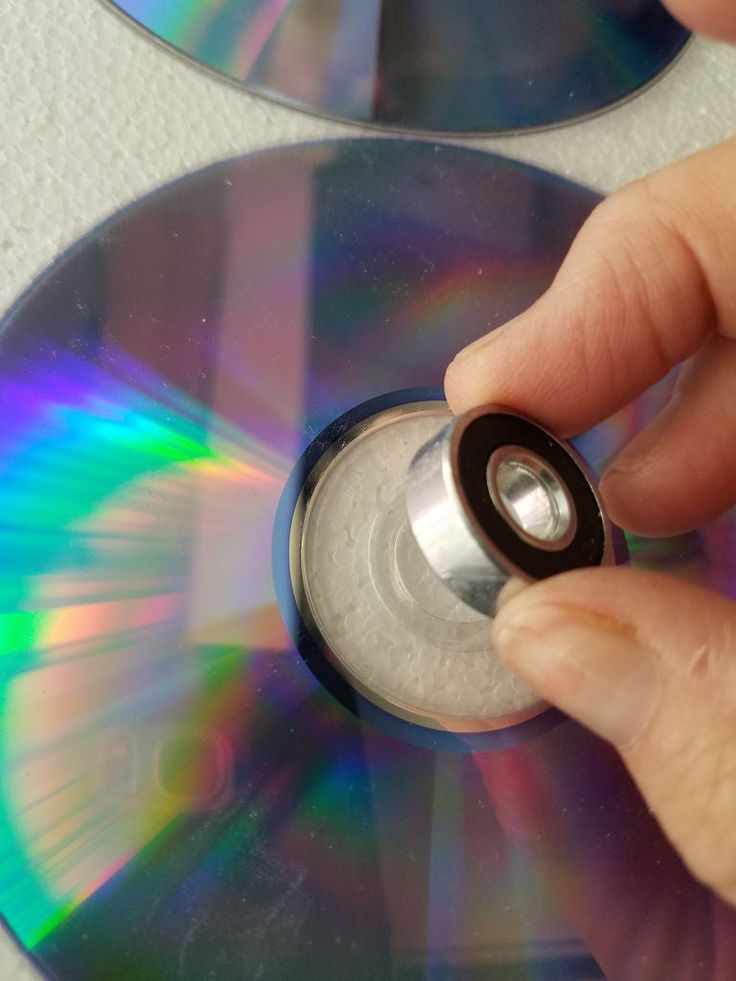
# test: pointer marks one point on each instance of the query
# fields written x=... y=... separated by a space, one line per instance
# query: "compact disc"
x=190 y=787
x=463 y=67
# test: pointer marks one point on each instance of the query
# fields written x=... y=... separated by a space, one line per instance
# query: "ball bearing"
x=495 y=497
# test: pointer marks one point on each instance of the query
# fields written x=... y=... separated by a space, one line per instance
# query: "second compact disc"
x=467 y=66
x=190 y=787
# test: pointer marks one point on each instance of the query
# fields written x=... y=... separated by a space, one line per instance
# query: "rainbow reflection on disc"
x=179 y=797
x=463 y=66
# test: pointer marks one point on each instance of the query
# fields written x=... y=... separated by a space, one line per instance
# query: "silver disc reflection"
x=180 y=797
x=463 y=66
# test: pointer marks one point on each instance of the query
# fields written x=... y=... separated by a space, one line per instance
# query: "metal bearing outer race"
x=469 y=542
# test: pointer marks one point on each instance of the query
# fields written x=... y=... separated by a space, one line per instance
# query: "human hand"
x=716 y=18
x=646 y=662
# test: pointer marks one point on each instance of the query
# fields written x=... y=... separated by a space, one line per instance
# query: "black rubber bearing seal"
x=477 y=442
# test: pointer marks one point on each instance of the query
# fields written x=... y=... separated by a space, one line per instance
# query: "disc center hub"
x=379 y=612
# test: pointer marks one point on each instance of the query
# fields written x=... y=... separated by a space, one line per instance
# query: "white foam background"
x=94 y=115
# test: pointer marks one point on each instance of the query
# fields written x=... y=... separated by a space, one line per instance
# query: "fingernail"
x=641 y=450
x=626 y=463
x=472 y=349
x=591 y=668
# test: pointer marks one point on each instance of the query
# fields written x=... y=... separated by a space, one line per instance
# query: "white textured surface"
x=385 y=614
x=94 y=115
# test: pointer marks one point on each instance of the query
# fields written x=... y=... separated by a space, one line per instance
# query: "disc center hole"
x=531 y=496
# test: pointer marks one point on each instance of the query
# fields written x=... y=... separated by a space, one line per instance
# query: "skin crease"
x=646 y=662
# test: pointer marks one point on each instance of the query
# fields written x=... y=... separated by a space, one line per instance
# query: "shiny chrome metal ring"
x=496 y=497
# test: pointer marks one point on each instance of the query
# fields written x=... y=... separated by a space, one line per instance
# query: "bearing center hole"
x=531 y=496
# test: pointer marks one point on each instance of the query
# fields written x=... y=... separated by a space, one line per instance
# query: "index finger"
x=650 y=275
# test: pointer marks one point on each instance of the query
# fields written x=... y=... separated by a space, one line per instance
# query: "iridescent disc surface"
x=457 y=66
x=179 y=797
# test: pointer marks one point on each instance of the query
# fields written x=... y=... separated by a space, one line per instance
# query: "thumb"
x=649 y=664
